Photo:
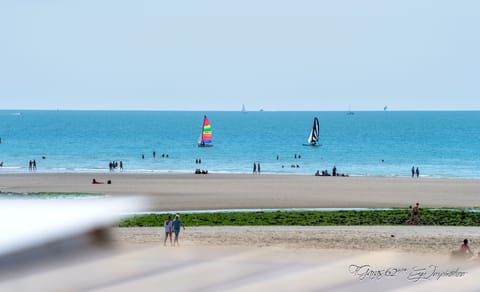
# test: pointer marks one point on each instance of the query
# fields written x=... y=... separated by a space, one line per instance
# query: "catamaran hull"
x=313 y=145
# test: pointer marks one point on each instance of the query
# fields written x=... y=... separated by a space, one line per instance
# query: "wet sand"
x=167 y=192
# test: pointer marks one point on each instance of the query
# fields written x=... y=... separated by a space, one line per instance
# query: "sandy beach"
x=311 y=251
x=170 y=192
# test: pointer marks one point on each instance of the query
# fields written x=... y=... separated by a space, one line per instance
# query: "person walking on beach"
x=177 y=223
x=417 y=172
x=409 y=215
x=413 y=171
x=258 y=168
x=254 y=168
x=416 y=214
x=168 y=225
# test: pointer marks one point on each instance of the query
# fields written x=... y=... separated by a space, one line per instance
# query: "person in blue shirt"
x=177 y=223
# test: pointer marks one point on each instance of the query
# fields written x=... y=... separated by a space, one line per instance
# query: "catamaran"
x=314 y=134
x=206 y=134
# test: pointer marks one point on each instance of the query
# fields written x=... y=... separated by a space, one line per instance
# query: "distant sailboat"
x=312 y=139
x=243 y=109
x=350 y=111
x=206 y=134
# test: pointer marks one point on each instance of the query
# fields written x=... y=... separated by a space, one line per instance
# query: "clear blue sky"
x=218 y=55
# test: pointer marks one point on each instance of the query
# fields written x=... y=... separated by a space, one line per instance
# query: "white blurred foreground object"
x=39 y=231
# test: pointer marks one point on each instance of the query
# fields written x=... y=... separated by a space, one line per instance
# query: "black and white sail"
x=314 y=133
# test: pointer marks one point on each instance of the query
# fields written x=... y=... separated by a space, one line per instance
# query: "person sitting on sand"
x=464 y=251
x=465 y=248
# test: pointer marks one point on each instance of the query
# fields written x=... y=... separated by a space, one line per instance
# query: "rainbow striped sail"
x=206 y=135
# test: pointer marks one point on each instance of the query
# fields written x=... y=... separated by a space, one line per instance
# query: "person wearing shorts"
x=168 y=224
x=177 y=224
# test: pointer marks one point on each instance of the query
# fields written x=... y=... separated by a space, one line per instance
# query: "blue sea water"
x=440 y=143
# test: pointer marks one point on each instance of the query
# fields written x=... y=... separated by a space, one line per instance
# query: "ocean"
x=380 y=143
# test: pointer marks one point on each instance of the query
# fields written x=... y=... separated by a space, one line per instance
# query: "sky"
x=217 y=55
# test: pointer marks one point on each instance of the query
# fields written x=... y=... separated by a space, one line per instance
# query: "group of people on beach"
x=198 y=170
x=172 y=226
x=325 y=172
x=413 y=215
x=114 y=165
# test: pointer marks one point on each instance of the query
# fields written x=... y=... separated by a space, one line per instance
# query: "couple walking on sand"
x=413 y=214
x=172 y=227
x=256 y=168
x=415 y=171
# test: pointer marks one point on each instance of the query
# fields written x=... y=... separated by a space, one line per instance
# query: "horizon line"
x=229 y=110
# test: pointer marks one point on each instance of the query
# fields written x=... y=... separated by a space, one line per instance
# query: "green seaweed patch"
x=49 y=195
x=65 y=193
x=440 y=217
